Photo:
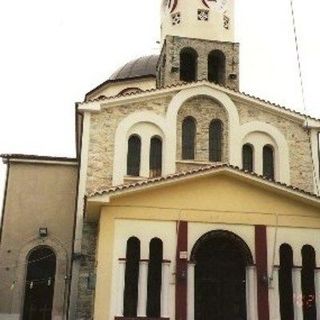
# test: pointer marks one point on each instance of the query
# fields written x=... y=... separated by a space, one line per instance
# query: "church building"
x=187 y=200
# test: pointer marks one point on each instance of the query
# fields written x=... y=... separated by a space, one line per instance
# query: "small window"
x=247 y=157
x=307 y=283
x=155 y=157
x=285 y=282
x=130 y=302
x=154 y=278
x=268 y=162
x=188 y=138
x=215 y=140
x=216 y=67
x=133 y=156
x=188 y=65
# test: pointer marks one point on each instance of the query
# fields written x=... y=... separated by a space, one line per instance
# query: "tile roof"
x=197 y=171
x=188 y=84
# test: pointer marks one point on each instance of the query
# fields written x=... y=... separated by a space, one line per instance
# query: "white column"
x=142 y=289
x=191 y=267
x=317 y=291
x=274 y=295
x=258 y=159
x=297 y=293
x=144 y=162
x=122 y=268
x=251 y=289
x=165 y=289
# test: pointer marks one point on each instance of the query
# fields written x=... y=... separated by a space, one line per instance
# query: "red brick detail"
x=262 y=272
x=181 y=271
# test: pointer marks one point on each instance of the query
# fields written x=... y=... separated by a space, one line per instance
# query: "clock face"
x=216 y=4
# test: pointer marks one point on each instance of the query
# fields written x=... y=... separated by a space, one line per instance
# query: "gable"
x=223 y=197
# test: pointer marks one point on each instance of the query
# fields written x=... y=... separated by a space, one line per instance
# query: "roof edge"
x=113 y=191
x=116 y=81
x=31 y=157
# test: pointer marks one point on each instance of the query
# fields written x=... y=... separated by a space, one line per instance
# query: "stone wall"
x=169 y=62
x=203 y=110
x=301 y=167
x=102 y=132
x=85 y=301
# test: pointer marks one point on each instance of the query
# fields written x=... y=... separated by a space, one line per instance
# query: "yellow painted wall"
x=216 y=199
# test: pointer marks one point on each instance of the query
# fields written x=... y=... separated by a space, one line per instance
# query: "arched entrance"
x=39 y=288
x=220 y=259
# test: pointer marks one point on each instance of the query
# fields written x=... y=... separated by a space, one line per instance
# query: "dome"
x=143 y=66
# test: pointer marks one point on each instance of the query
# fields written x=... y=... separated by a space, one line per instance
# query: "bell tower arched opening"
x=217 y=67
x=188 y=65
x=220 y=258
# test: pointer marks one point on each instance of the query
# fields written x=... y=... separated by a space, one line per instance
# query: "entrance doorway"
x=39 y=288
x=220 y=260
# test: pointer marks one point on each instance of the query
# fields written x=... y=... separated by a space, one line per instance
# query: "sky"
x=53 y=52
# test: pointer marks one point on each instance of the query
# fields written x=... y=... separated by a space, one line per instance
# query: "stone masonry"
x=203 y=110
x=87 y=272
x=104 y=124
x=169 y=61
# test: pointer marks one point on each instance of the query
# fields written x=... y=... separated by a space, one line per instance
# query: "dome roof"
x=144 y=66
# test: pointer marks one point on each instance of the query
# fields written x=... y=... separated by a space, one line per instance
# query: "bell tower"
x=197 y=39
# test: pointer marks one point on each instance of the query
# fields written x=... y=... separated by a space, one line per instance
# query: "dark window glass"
x=131 y=278
x=39 y=288
x=133 y=157
x=268 y=162
x=216 y=67
x=247 y=157
x=188 y=65
x=155 y=161
x=307 y=282
x=188 y=138
x=220 y=278
x=154 y=278
x=285 y=282
x=215 y=140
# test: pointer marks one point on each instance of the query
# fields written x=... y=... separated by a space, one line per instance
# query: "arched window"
x=216 y=67
x=188 y=64
x=215 y=140
x=285 y=282
x=39 y=288
x=154 y=278
x=130 y=302
x=247 y=157
x=268 y=162
x=133 y=156
x=155 y=161
x=188 y=138
x=307 y=283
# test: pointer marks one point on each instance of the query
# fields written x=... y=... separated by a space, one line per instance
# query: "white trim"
x=220 y=97
x=120 y=144
x=79 y=214
x=282 y=167
x=315 y=157
x=191 y=290
x=251 y=292
x=297 y=293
